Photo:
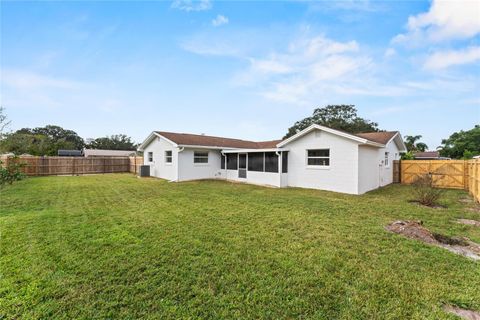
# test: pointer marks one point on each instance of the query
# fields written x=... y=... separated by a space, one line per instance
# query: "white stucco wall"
x=368 y=168
x=340 y=176
x=373 y=172
x=256 y=177
x=158 y=167
x=387 y=171
x=193 y=171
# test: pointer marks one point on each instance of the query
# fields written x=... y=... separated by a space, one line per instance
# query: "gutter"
x=180 y=149
x=224 y=155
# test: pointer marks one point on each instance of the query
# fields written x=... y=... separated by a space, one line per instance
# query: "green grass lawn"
x=115 y=246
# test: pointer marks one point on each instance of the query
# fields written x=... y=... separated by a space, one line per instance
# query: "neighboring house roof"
x=211 y=141
x=69 y=153
x=427 y=154
x=107 y=153
x=382 y=137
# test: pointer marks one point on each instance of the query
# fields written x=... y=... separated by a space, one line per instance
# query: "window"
x=284 y=161
x=386 y=159
x=271 y=162
x=255 y=161
x=150 y=157
x=168 y=156
x=200 y=157
x=318 y=157
x=232 y=161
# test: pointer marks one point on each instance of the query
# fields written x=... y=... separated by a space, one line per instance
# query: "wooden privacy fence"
x=45 y=166
x=456 y=174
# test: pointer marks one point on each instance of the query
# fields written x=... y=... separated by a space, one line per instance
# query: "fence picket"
x=44 y=166
x=455 y=174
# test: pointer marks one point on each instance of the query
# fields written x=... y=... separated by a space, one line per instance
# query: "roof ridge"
x=218 y=137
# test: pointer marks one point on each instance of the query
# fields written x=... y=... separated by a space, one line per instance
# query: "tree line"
x=46 y=141
x=49 y=139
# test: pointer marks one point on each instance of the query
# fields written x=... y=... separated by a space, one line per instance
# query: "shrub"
x=425 y=192
x=11 y=172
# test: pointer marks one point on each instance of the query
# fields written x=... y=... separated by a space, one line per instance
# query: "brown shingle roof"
x=380 y=137
x=203 y=140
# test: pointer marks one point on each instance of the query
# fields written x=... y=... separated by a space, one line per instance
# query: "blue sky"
x=239 y=69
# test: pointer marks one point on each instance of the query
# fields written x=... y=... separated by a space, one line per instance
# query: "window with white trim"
x=150 y=157
x=168 y=156
x=200 y=157
x=387 y=163
x=318 y=157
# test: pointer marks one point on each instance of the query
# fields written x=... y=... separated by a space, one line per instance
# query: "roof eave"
x=153 y=135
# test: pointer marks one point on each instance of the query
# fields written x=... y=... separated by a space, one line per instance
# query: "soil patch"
x=435 y=206
x=462 y=313
x=469 y=222
x=466 y=200
x=416 y=230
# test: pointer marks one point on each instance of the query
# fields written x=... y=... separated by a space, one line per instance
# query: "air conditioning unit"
x=144 y=171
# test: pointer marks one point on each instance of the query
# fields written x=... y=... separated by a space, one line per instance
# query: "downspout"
x=223 y=155
x=177 y=162
x=280 y=164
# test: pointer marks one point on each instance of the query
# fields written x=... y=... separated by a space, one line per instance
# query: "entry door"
x=242 y=165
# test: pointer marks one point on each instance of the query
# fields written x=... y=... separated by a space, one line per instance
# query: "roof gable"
x=340 y=133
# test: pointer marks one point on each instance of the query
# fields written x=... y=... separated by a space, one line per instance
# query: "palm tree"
x=412 y=144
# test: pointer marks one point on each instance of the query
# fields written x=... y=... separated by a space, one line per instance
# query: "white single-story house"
x=317 y=157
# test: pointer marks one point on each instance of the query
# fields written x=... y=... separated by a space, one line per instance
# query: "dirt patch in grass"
x=434 y=206
x=466 y=200
x=469 y=222
x=416 y=230
x=462 y=313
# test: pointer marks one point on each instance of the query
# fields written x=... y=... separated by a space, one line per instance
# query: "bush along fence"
x=45 y=166
x=454 y=174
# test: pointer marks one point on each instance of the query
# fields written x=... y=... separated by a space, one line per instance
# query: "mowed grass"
x=115 y=246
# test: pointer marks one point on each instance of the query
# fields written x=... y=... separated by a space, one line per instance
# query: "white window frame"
x=150 y=156
x=200 y=157
x=386 y=161
x=168 y=157
x=318 y=166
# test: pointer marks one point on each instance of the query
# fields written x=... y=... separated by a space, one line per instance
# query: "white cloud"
x=445 y=59
x=445 y=20
x=20 y=79
x=390 y=52
x=310 y=66
x=192 y=5
x=219 y=20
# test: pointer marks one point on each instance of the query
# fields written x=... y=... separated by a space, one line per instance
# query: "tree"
x=41 y=141
x=341 y=117
x=412 y=144
x=114 y=142
x=4 y=122
x=462 y=144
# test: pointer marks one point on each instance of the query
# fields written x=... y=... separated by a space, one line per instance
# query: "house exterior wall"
x=256 y=177
x=373 y=172
x=387 y=171
x=188 y=170
x=158 y=167
x=340 y=176
x=368 y=168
